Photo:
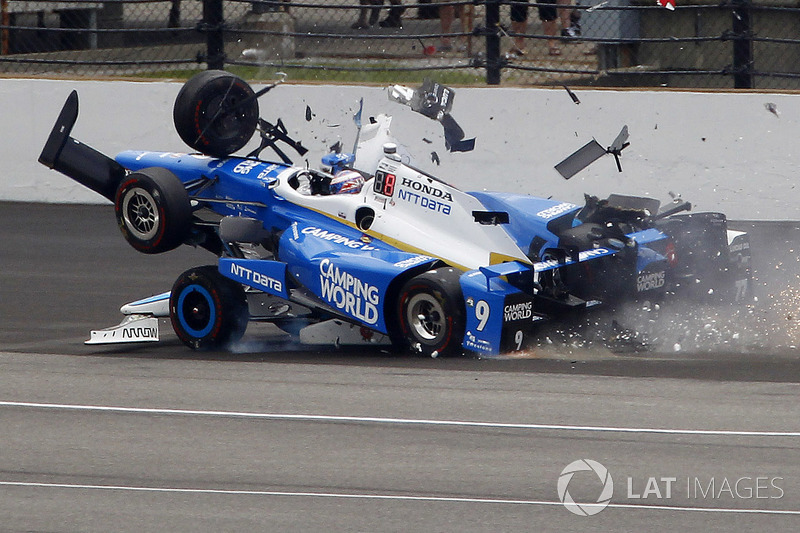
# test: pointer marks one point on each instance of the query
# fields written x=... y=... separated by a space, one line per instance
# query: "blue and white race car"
x=372 y=249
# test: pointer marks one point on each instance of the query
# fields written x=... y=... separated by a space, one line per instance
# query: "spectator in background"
x=519 y=24
x=392 y=20
x=174 y=19
x=570 y=19
x=374 y=13
x=551 y=16
x=447 y=14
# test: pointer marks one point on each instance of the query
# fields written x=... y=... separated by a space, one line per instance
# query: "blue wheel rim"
x=202 y=302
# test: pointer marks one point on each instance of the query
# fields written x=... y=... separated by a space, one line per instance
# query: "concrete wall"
x=723 y=152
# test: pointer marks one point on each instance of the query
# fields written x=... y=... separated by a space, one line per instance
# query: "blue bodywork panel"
x=261 y=274
x=499 y=317
x=531 y=217
x=349 y=273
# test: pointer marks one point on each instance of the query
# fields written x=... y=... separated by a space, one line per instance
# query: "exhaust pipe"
x=74 y=159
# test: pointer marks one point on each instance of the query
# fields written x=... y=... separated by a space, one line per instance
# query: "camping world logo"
x=605 y=481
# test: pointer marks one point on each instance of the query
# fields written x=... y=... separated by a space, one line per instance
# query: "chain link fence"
x=698 y=44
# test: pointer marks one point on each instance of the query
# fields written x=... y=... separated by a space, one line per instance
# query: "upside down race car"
x=374 y=246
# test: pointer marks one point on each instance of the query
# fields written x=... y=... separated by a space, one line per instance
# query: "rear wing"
x=74 y=159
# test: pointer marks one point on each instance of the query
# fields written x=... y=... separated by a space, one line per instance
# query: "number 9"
x=482 y=311
x=518 y=338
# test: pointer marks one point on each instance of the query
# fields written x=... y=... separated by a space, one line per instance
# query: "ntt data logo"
x=604 y=485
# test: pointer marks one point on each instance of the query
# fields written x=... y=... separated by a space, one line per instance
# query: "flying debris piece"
x=254 y=54
x=669 y=4
x=454 y=136
x=308 y=114
x=585 y=156
x=271 y=134
x=572 y=95
x=435 y=101
x=619 y=144
x=401 y=94
x=624 y=340
x=357 y=121
x=426 y=140
x=772 y=108
x=435 y=158
x=591 y=152
x=336 y=148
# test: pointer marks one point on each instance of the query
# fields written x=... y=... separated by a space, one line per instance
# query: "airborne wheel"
x=207 y=309
x=153 y=210
x=216 y=113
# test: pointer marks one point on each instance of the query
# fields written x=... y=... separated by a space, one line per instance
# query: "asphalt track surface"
x=279 y=437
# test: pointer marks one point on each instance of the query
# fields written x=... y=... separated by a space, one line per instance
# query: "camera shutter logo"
x=585 y=509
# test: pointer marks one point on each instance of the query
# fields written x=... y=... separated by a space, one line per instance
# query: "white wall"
x=723 y=152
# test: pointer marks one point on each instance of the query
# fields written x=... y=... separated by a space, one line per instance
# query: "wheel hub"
x=140 y=213
x=426 y=318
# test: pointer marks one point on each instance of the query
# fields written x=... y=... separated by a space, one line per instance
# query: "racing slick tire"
x=153 y=210
x=207 y=310
x=431 y=312
x=216 y=113
x=707 y=269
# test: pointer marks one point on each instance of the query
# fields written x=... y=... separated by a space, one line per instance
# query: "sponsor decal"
x=552 y=212
x=423 y=201
x=336 y=238
x=348 y=293
x=413 y=261
x=473 y=343
x=245 y=167
x=170 y=155
x=582 y=256
x=650 y=281
x=140 y=333
x=265 y=173
x=428 y=190
x=739 y=247
x=519 y=311
x=256 y=278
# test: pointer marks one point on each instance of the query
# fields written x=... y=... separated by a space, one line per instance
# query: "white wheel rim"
x=426 y=318
x=140 y=213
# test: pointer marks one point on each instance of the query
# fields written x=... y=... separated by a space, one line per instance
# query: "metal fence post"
x=213 y=20
x=5 y=20
x=742 y=45
x=493 y=64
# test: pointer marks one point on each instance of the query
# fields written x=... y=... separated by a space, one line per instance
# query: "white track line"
x=399 y=421
x=390 y=497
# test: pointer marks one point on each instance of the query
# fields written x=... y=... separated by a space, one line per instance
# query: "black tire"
x=207 y=309
x=706 y=270
x=206 y=115
x=153 y=210
x=431 y=313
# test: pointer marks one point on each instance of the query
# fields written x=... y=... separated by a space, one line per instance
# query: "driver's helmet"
x=346 y=182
